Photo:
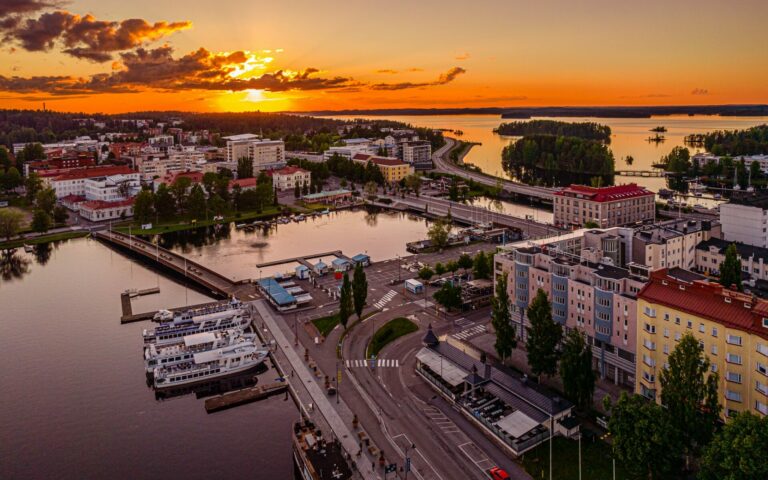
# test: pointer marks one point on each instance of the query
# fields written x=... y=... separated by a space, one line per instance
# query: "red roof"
x=287 y=171
x=91 y=172
x=708 y=300
x=364 y=157
x=102 y=205
x=243 y=182
x=195 y=177
x=605 y=194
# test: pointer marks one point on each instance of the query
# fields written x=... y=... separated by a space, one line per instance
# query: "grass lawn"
x=317 y=206
x=326 y=324
x=391 y=331
x=185 y=223
x=42 y=239
x=595 y=461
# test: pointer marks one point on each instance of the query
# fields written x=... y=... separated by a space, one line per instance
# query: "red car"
x=498 y=474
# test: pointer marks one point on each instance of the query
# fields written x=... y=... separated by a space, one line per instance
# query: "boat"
x=239 y=226
x=697 y=187
x=179 y=327
x=177 y=353
x=29 y=248
x=163 y=315
x=325 y=212
x=717 y=196
x=211 y=364
x=299 y=218
x=664 y=193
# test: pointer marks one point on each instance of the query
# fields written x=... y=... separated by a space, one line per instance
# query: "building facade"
x=579 y=205
x=265 y=154
x=672 y=243
x=112 y=188
x=393 y=169
x=745 y=219
x=74 y=181
x=418 y=154
x=731 y=326
x=287 y=178
x=710 y=254
x=98 y=211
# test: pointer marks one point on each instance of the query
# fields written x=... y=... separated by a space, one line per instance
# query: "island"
x=586 y=130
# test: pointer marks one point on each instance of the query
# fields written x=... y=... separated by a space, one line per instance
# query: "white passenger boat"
x=211 y=364
x=176 y=329
x=182 y=352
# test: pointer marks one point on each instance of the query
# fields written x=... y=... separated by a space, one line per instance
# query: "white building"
x=704 y=158
x=287 y=178
x=73 y=182
x=347 y=152
x=97 y=210
x=745 y=219
x=183 y=160
x=112 y=188
x=418 y=154
x=266 y=154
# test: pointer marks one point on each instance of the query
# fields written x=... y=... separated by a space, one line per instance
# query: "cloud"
x=444 y=78
x=647 y=95
x=415 y=69
x=84 y=37
x=462 y=56
x=387 y=71
x=699 y=91
x=8 y=7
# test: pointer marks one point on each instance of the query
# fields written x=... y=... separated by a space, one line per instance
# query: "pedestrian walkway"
x=381 y=362
x=385 y=300
x=470 y=332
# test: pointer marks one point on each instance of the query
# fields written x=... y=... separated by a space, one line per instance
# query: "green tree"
x=438 y=233
x=144 y=206
x=689 y=392
x=480 y=267
x=730 y=269
x=501 y=319
x=737 y=451
x=754 y=171
x=32 y=185
x=449 y=296
x=216 y=204
x=678 y=160
x=5 y=158
x=425 y=273
x=440 y=268
x=413 y=183
x=179 y=190
x=452 y=266
x=296 y=190
x=305 y=189
x=11 y=179
x=165 y=205
x=465 y=261
x=60 y=215
x=345 y=301
x=10 y=222
x=244 y=167
x=359 y=289
x=46 y=200
x=642 y=438
x=371 y=189
x=209 y=182
x=237 y=194
x=196 y=202
x=576 y=369
x=543 y=336
x=41 y=221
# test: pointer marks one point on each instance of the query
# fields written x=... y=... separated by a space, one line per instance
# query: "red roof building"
x=244 y=183
x=580 y=205
x=98 y=210
x=93 y=172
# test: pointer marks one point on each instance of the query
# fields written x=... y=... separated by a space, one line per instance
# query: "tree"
x=737 y=452
x=689 y=392
x=754 y=171
x=501 y=319
x=296 y=190
x=452 y=266
x=124 y=189
x=5 y=158
x=371 y=189
x=465 y=261
x=179 y=191
x=413 y=183
x=305 y=189
x=642 y=438
x=438 y=233
x=359 y=289
x=543 y=336
x=425 y=273
x=449 y=296
x=165 y=205
x=46 y=200
x=196 y=202
x=678 y=160
x=11 y=179
x=216 y=204
x=209 y=182
x=60 y=215
x=41 y=221
x=244 y=167
x=10 y=222
x=440 y=268
x=345 y=301
x=237 y=194
x=576 y=369
x=144 y=206
x=480 y=267
x=730 y=269
x=32 y=185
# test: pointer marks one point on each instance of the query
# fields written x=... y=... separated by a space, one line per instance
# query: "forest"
x=750 y=141
x=587 y=130
x=559 y=161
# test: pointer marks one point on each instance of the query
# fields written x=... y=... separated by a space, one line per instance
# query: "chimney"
x=487 y=373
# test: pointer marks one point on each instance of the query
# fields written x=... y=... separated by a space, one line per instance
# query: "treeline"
x=343 y=168
x=559 y=161
x=587 y=130
x=751 y=141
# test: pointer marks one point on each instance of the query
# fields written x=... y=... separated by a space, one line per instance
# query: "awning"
x=517 y=424
x=452 y=374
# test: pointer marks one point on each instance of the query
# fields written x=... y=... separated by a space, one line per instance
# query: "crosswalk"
x=470 y=332
x=380 y=363
x=385 y=299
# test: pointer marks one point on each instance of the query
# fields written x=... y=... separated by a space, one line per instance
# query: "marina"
x=241 y=397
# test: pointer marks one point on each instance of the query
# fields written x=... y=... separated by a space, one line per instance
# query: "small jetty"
x=303 y=259
x=130 y=317
x=246 y=395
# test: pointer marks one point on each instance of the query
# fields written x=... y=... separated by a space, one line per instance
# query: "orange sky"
x=107 y=56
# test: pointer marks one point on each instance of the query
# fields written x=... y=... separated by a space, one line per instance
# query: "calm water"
x=629 y=137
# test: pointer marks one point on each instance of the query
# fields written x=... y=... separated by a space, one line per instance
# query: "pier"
x=303 y=259
x=218 y=284
x=641 y=173
x=241 y=397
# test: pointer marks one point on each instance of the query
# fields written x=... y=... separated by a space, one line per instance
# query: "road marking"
x=470 y=332
x=381 y=362
x=476 y=455
x=385 y=299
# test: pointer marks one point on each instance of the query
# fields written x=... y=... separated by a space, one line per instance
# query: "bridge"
x=218 y=284
x=443 y=164
x=641 y=173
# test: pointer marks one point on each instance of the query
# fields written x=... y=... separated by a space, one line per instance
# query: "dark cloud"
x=84 y=37
x=8 y=7
x=387 y=71
x=444 y=78
x=699 y=91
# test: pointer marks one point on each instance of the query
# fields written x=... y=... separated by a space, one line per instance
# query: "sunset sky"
x=236 y=55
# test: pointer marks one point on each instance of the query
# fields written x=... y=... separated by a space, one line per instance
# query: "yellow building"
x=731 y=326
x=393 y=169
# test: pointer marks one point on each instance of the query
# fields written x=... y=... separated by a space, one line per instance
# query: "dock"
x=246 y=395
x=302 y=259
x=130 y=317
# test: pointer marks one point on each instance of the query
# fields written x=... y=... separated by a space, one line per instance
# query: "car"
x=498 y=474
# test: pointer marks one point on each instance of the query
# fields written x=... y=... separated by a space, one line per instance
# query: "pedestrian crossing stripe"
x=381 y=363
x=385 y=299
x=470 y=332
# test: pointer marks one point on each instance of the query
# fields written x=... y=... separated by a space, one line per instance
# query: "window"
x=649 y=361
x=666 y=349
x=649 y=377
x=762 y=369
x=651 y=312
x=650 y=328
x=649 y=344
x=689 y=324
x=666 y=316
x=677 y=320
x=733 y=358
x=701 y=328
x=761 y=407
x=733 y=396
x=733 y=339
x=733 y=377
x=666 y=333
x=762 y=348
x=714 y=349
x=761 y=387
x=714 y=368
x=677 y=336
x=714 y=331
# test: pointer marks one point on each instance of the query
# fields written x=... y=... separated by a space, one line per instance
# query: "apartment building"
x=151 y=167
x=112 y=188
x=710 y=254
x=73 y=182
x=578 y=205
x=418 y=154
x=671 y=243
x=287 y=178
x=702 y=159
x=586 y=292
x=731 y=326
x=266 y=154
x=393 y=169
x=348 y=151
x=745 y=219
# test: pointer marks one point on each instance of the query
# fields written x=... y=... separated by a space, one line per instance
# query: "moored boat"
x=175 y=330
x=211 y=364
x=182 y=352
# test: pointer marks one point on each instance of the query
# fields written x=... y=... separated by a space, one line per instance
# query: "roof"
x=605 y=194
x=91 y=172
x=385 y=161
x=707 y=300
x=745 y=251
x=663 y=231
x=758 y=199
x=330 y=193
x=360 y=257
x=320 y=264
x=242 y=136
x=301 y=268
x=102 y=205
x=287 y=171
x=517 y=424
x=243 y=183
x=199 y=339
x=279 y=294
x=340 y=261
x=450 y=372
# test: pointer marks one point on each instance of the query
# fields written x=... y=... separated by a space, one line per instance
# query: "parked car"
x=498 y=474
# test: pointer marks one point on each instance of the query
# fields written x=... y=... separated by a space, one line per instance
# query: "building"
x=266 y=154
x=331 y=196
x=151 y=166
x=745 y=219
x=710 y=254
x=347 y=152
x=418 y=154
x=393 y=169
x=672 y=243
x=73 y=181
x=288 y=177
x=244 y=184
x=97 y=210
x=702 y=159
x=60 y=163
x=579 y=205
x=731 y=326
x=112 y=188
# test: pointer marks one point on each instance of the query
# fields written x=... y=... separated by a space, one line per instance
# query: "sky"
x=301 y=55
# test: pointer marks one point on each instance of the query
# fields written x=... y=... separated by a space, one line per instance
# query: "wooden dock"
x=246 y=395
x=302 y=259
x=130 y=317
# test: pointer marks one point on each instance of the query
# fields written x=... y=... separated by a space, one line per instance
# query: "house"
x=579 y=205
x=287 y=178
x=243 y=183
x=320 y=268
x=98 y=210
x=73 y=181
x=302 y=272
x=341 y=265
x=362 y=259
x=393 y=169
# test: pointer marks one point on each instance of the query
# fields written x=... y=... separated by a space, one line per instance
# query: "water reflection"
x=196 y=237
x=212 y=387
x=43 y=251
x=13 y=265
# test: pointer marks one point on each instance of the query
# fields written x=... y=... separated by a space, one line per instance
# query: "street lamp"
x=408 y=459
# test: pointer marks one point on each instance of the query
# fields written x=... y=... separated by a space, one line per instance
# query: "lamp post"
x=407 y=467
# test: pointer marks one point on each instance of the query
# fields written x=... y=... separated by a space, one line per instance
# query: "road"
x=443 y=164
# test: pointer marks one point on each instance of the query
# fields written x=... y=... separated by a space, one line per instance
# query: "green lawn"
x=326 y=324
x=595 y=461
x=390 y=332
x=184 y=223
x=42 y=239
